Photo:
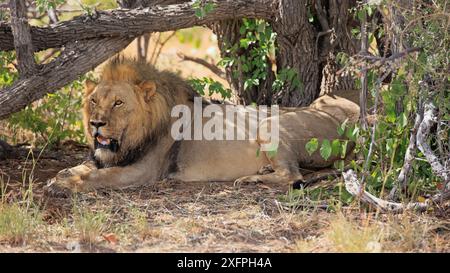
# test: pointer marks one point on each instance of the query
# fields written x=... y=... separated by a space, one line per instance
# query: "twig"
x=363 y=78
x=409 y=155
x=206 y=64
x=142 y=46
x=374 y=126
x=161 y=45
x=379 y=61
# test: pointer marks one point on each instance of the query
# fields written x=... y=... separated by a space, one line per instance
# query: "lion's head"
x=129 y=109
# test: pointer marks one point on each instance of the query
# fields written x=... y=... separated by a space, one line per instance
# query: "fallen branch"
x=219 y=72
x=353 y=186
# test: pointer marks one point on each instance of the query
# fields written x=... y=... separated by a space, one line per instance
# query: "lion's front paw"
x=52 y=189
x=64 y=184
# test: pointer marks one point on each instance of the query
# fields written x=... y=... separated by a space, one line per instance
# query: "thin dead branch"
x=216 y=70
x=353 y=186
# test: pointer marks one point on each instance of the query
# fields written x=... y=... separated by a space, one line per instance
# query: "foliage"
x=55 y=118
x=8 y=73
x=398 y=105
x=249 y=58
x=200 y=85
x=202 y=9
x=43 y=5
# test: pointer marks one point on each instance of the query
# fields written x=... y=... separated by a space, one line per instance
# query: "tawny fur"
x=144 y=120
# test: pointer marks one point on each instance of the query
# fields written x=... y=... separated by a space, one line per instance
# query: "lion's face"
x=116 y=117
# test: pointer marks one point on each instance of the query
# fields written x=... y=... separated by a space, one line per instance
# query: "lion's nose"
x=97 y=123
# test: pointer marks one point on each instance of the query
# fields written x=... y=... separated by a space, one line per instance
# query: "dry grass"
x=204 y=217
x=19 y=224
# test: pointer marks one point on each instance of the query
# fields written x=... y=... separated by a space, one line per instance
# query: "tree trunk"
x=311 y=48
x=340 y=40
x=296 y=50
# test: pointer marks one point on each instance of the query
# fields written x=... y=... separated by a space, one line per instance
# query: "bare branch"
x=91 y=39
x=219 y=72
x=353 y=186
x=22 y=38
x=363 y=78
x=161 y=45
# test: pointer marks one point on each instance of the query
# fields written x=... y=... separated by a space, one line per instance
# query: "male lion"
x=127 y=120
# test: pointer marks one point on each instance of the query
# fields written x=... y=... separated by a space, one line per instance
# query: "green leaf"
x=344 y=148
x=335 y=147
x=325 y=149
x=353 y=133
x=402 y=120
x=341 y=128
x=199 y=13
x=312 y=145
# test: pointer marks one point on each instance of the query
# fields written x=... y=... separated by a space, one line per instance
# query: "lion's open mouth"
x=101 y=142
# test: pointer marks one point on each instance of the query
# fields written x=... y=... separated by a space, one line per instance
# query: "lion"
x=127 y=121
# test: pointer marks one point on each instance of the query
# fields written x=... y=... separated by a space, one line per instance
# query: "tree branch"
x=219 y=72
x=22 y=38
x=77 y=59
x=135 y=22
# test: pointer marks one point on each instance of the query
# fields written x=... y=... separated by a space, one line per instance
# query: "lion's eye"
x=118 y=103
x=93 y=101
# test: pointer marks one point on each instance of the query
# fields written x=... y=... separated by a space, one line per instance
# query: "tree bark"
x=311 y=48
x=296 y=50
x=339 y=40
x=77 y=59
x=135 y=22
x=22 y=38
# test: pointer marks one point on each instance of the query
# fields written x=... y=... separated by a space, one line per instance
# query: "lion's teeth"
x=103 y=141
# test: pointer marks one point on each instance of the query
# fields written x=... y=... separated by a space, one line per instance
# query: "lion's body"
x=133 y=103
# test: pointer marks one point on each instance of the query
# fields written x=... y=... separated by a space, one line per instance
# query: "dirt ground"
x=170 y=216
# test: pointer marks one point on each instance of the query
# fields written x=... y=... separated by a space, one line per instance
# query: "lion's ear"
x=149 y=89
x=89 y=86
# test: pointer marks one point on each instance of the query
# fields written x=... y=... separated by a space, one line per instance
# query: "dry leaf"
x=111 y=238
